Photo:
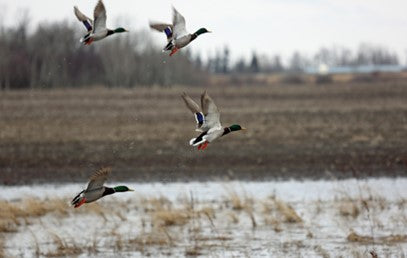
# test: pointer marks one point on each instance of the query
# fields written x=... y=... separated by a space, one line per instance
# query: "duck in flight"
x=96 y=28
x=96 y=189
x=177 y=35
x=208 y=121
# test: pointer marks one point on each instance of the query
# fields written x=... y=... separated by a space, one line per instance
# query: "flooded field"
x=348 y=218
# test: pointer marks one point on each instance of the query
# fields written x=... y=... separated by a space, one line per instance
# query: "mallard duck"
x=177 y=35
x=208 y=121
x=96 y=189
x=96 y=29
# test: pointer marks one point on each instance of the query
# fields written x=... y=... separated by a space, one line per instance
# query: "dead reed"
x=158 y=236
x=174 y=217
x=349 y=209
x=355 y=237
x=2 y=251
x=63 y=248
x=288 y=213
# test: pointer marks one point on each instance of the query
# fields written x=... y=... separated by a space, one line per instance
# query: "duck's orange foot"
x=80 y=203
x=203 y=146
x=89 y=41
x=173 y=51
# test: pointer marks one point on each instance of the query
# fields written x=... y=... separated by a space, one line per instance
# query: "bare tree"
x=51 y=56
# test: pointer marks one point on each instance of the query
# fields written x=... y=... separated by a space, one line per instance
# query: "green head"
x=201 y=31
x=120 y=29
x=236 y=128
x=122 y=188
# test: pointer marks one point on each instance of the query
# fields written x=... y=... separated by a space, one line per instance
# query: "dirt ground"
x=305 y=131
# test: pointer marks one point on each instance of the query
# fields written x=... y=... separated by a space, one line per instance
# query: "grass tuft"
x=167 y=218
x=271 y=221
x=233 y=217
x=251 y=216
x=349 y=209
x=289 y=214
x=157 y=237
x=235 y=200
x=355 y=237
x=63 y=248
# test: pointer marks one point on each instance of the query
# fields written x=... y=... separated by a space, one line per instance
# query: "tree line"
x=366 y=54
x=51 y=56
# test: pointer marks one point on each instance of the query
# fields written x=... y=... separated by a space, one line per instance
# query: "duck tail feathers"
x=191 y=142
x=77 y=198
x=85 y=39
x=195 y=141
x=169 y=46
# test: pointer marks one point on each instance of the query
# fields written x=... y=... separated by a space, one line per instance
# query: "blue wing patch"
x=199 y=117
x=168 y=32
x=87 y=25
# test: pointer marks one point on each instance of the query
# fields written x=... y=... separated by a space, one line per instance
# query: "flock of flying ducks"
x=207 y=115
x=177 y=35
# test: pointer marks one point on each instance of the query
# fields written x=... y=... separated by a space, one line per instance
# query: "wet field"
x=301 y=131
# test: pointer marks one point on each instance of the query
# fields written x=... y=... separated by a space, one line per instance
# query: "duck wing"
x=195 y=109
x=191 y=104
x=83 y=18
x=210 y=111
x=163 y=27
x=160 y=26
x=178 y=21
x=99 y=15
x=98 y=178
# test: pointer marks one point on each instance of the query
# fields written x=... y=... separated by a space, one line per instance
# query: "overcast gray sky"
x=268 y=27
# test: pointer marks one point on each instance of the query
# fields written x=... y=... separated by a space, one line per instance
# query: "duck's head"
x=236 y=128
x=122 y=188
x=120 y=30
x=201 y=31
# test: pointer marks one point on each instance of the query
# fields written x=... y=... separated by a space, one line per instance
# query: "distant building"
x=324 y=69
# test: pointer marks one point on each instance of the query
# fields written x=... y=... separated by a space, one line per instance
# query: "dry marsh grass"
x=187 y=226
x=274 y=222
x=171 y=217
x=118 y=240
x=37 y=248
x=63 y=248
x=208 y=212
x=233 y=217
x=250 y=213
x=155 y=204
x=349 y=209
x=2 y=251
x=238 y=202
x=97 y=209
x=288 y=213
x=390 y=239
x=8 y=225
x=23 y=212
x=322 y=252
x=157 y=237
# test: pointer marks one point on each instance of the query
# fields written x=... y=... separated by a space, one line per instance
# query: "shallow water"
x=279 y=219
